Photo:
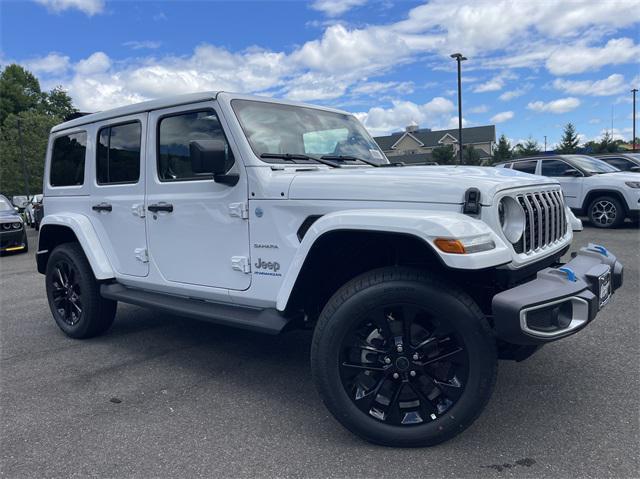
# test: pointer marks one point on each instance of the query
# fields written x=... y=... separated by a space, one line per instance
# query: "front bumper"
x=560 y=301
x=15 y=240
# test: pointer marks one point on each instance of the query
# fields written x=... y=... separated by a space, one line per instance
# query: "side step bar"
x=269 y=321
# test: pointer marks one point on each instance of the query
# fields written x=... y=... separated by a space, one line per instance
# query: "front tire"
x=401 y=359
x=74 y=296
x=606 y=212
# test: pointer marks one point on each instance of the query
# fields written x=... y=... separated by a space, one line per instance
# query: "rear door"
x=117 y=206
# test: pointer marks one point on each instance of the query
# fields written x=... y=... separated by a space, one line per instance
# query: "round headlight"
x=511 y=217
x=6 y=226
x=17 y=226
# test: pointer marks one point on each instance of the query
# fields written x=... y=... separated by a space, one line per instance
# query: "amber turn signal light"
x=453 y=246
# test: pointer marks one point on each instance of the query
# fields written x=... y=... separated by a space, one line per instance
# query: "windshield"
x=274 y=128
x=5 y=205
x=592 y=165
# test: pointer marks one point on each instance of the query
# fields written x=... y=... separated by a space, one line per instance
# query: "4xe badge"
x=267 y=268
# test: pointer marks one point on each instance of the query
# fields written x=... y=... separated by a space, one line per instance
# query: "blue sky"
x=533 y=65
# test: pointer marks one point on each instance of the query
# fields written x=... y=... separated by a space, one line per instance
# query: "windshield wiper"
x=349 y=158
x=300 y=156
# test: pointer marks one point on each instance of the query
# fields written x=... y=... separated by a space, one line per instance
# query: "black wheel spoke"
x=65 y=292
x=365 y=367
x=442 y=356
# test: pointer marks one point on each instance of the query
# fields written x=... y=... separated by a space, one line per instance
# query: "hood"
x=618 y=176
x=428 y=184
x=9 y=216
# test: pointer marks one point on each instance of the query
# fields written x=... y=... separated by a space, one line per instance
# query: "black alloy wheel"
x=66 y=292
x=402 y=366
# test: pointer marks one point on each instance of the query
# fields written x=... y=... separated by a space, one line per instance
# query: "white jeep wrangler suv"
x=271 y=215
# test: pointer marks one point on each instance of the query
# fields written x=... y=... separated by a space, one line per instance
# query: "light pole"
x=545 y=143
x=459 y=58
x=633 y=118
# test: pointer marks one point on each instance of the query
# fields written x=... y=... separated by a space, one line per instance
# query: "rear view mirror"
x=571 y=172
x=211 y=157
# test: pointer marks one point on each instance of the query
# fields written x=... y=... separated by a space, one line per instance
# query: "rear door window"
x=67 y=160
x=525 y=166
x=621 y=163
x=118 y=156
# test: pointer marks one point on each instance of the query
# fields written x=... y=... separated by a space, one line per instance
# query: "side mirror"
x=635 y=168
x=210 y=157
x=571 y=172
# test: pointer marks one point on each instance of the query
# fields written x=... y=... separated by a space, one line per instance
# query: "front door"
x=195 y=231
x=117 y=206
x=571 y=185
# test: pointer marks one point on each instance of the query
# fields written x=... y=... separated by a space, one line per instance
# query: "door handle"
x=102 y=207
x=168 y=207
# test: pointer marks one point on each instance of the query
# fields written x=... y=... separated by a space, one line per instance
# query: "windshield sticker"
x=376 y=154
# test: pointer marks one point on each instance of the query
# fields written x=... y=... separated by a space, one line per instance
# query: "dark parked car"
x=13 y=237
x=622 y=161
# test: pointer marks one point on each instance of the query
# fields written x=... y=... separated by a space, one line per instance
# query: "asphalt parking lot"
x=165 y=396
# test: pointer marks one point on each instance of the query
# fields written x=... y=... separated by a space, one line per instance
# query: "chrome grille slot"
x=545 y=220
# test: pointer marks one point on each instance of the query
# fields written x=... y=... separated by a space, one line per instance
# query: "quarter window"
x=118 y=157
x=525 y=166
x=67 y=160
x=175 y=133
x=555 y=168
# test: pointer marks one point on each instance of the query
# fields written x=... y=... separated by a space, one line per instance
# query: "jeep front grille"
x=545 y=220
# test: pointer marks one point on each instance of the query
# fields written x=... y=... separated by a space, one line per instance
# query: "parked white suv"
x=271 y=215
x=591 y=186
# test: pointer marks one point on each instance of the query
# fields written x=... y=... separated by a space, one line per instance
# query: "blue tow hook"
x=600 y=249
x=571 y=276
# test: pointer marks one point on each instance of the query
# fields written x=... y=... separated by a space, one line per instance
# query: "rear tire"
x=425 y=359
x=74 y=294
x=606 y=212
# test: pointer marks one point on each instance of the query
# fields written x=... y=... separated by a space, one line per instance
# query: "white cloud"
x=142 y=45
x=479 y=109
x=435 y=114
x=572 y=59
x=501 y=117
x=562 y=105
x=511 y=94
x=612 y=85
x=375 y=87
x=53 y=63
x=496 y=83
x=89 y=7
x=594 y=121
x=99 y=62
x=335 y=8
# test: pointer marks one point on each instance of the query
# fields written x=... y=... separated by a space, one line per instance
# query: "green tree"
x=19 y=91
x=530 y=148
x=471 y=156
x=58 y=104
x=502 y=151
x=443 y=155
x=569 y=141
x=22 y=101
x=35 y=128
x=606 y=144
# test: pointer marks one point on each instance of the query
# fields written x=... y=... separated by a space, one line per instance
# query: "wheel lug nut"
x=396 y=375
x=412 y=373
x=387 y=360
x=399 y=349
x=415 y=356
